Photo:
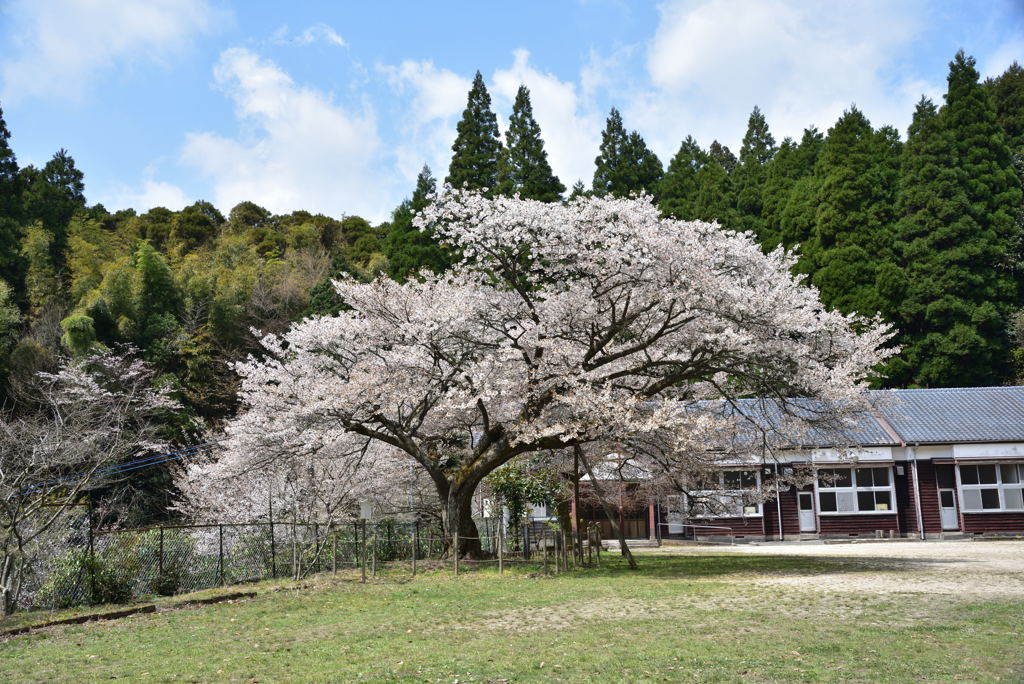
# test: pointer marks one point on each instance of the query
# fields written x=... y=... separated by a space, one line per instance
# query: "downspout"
x=778 y=501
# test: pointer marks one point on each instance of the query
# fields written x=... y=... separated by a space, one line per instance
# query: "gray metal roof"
x=769 y=414
x=922 y=416
x=954 y=415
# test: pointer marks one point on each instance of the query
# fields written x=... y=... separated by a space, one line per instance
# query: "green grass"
x=680 y=618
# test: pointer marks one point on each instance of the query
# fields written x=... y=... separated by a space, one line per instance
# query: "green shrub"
x=76 y=579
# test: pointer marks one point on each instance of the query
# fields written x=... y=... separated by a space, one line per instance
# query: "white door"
x=805 y=501
x=947 y=510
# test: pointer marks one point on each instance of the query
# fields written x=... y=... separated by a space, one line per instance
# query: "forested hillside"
x=923 y=229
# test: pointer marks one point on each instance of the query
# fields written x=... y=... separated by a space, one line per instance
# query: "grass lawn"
x=695 y=616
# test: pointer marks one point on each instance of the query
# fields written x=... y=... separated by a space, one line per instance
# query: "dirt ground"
x=927 y=576
x=962 y=568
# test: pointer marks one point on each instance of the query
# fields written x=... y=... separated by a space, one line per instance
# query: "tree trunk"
x=608 y=511
x=458 y=516
x=8 y=593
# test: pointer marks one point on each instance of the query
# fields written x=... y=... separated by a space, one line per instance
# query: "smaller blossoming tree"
x=96 y=411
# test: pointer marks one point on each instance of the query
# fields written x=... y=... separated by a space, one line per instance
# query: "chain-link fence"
x=118 y=566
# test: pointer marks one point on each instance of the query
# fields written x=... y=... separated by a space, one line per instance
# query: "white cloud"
x=58 y=46
x=427 y=126
x=314 y=34
x=302 y=150
x=569 y=126
x=802 y=63
x=152 y=194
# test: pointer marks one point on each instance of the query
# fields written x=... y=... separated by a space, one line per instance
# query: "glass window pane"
x=733 y=479
x=845 y=502
x=865 y=500
x=972 y=500
x=986 y=474
x=749 y=479
x=881 y=477
x=1014 y=499
x=864 y=477
x=826 y=477
x=826 y=501
x=946 y=499
x=944 y=476
x=989 y=498
x=883 y=501
x=1009 y=474
x=969 y=474
x=843 y=477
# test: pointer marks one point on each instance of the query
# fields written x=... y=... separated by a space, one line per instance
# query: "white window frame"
x=721 y=494
x=853 y=489
x=1002 y=488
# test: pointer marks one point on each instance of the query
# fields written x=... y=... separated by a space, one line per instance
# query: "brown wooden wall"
x=1011 y=523
x=929 y=497
x=857 y=524
x=790 y=519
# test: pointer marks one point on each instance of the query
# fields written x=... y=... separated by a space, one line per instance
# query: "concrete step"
x=613 y=544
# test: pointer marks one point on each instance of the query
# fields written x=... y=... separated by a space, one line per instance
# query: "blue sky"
x=334 y=106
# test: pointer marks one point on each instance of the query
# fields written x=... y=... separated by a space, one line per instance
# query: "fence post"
x=220 y=556
x=415 y=541
x=544 y=540
x=373 y=549
x=273 y=549
x=501 y=548
x=160 y=561
x=92 y=557
x=455 y=553
x=570 y=548
x=334 y=551
x=363 y=563
x=316 y=548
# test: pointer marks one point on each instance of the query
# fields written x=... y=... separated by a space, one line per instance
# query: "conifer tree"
x=757 y=151
x=779 y=177
x=958 y=193
x=713 y=194
x=408 y=248
x=625 y=164
x=853 y=220
x=790 y=213
x=679 y=189
x=1007 y=92
x=723 y=155
x=578 y=190
x=52 y=195
x=525 y=169
x=477 y=148
x=10 y=210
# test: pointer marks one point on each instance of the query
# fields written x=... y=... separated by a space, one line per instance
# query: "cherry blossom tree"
x=587 y=324
x=96 y=411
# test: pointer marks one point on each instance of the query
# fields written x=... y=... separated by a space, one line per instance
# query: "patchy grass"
x=699 y=616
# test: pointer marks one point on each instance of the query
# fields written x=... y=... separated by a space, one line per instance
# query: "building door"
x=805 y=501
x=947 y=509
